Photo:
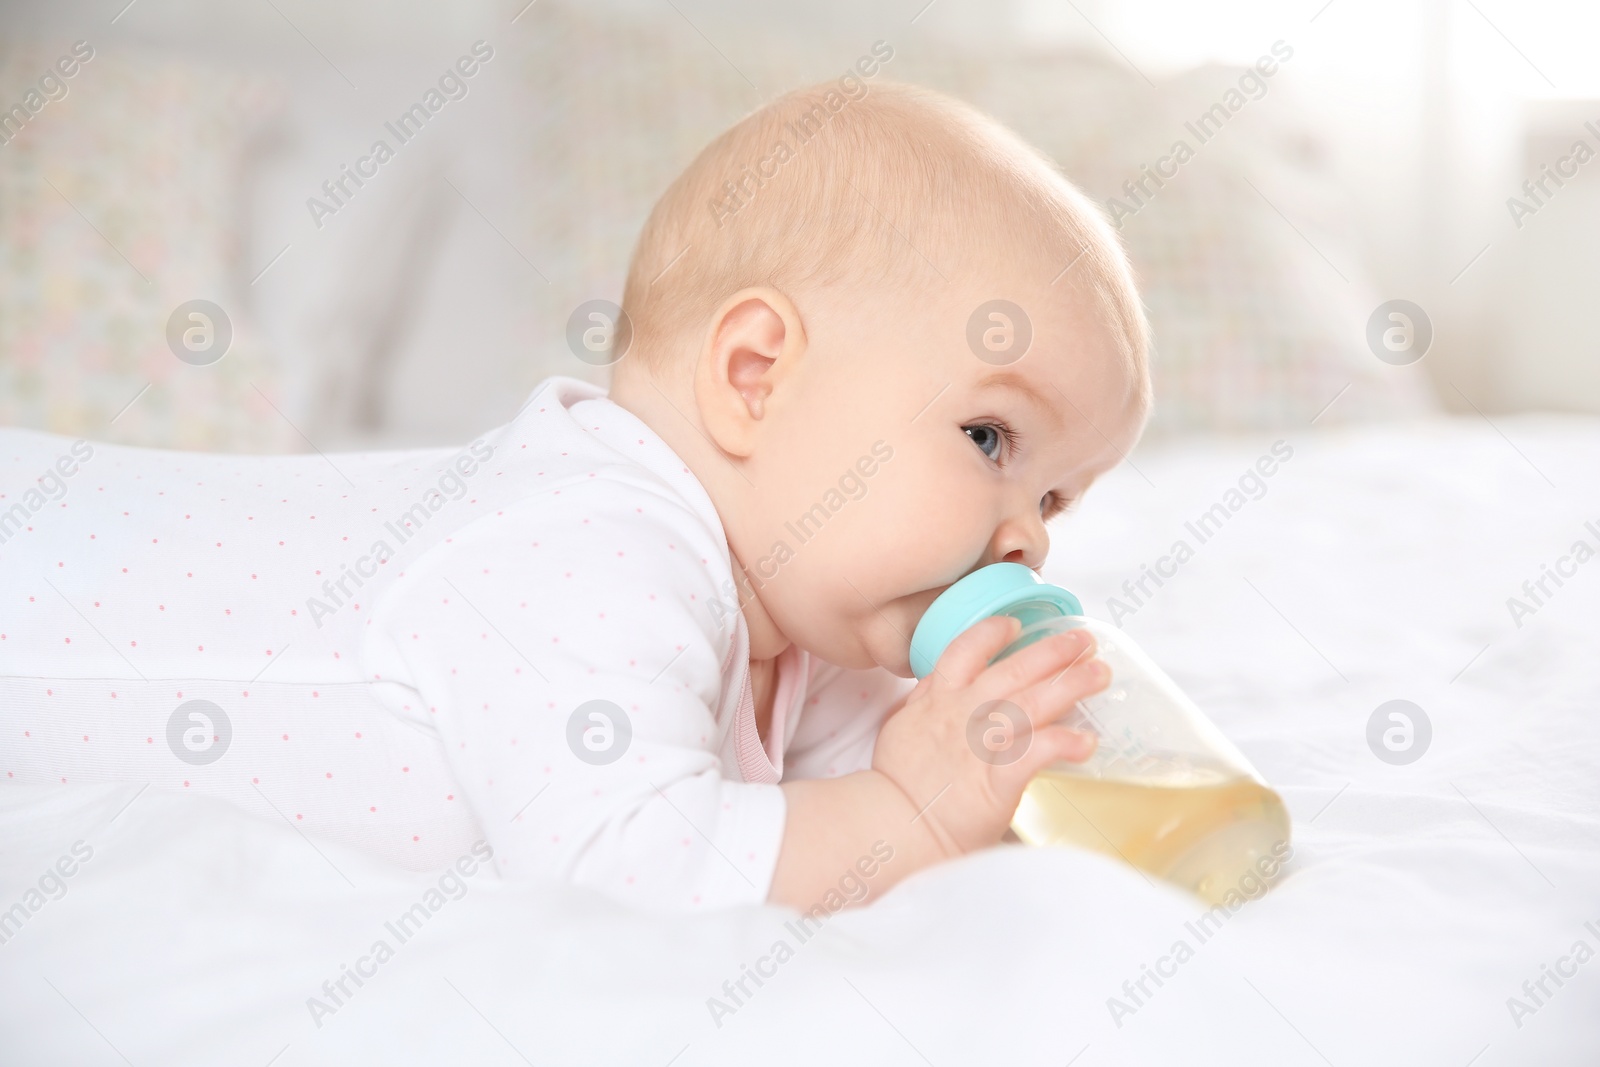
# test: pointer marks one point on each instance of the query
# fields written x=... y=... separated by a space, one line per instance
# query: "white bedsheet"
x=1376 y=566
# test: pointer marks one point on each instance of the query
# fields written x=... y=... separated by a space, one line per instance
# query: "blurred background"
x=1432 y=151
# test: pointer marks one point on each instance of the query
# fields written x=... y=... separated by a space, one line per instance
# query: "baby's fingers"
x=1002 y=732
x=1056 y=744
x=966 y=657
x=1040 y=661
x=1047 y=701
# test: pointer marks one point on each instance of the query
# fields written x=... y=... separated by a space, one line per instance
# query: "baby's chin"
x=900 y=669
x=895 y=658
x=888 y=646
x=879 y=637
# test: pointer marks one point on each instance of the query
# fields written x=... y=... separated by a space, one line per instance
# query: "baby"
x=656 y=642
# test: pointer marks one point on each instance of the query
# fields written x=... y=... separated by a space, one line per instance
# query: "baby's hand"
x=957 y=751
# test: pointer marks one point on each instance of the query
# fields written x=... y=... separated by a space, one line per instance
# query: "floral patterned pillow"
x=1258 y=305
x=1258 y=301
x=120 y=205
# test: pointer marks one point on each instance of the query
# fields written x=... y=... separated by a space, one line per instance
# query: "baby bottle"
x=1164 y=790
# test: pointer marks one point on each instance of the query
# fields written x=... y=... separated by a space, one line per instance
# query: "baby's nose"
x=1027 y=559
x=1024 y=543
x=1029 y=551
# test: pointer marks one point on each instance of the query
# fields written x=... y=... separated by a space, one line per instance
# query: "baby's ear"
x=753 y=342
x=754 y=351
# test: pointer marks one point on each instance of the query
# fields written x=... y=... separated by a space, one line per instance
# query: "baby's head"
x=892 y=341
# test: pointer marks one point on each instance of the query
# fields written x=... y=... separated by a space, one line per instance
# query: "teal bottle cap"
x=998 y=589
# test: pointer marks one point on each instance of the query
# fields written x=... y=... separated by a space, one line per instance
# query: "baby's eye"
x=988 y=439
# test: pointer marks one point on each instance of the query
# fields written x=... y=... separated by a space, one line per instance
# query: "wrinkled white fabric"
x=403 y=651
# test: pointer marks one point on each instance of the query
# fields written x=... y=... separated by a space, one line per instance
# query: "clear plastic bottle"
x=1165 y=790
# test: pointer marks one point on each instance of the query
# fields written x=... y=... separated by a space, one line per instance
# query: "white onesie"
x=533 y=639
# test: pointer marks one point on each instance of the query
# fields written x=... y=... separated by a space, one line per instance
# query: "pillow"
x=602 y=156
x=1258 y=302
x=1252 y=327
x=120 y=201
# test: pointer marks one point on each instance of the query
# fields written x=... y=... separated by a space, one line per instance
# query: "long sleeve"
x=567 y=651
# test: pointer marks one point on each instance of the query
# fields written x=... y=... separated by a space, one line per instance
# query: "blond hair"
x=867 y=184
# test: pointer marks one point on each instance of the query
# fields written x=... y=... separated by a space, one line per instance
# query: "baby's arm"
x=928 y=796
x=593 y=599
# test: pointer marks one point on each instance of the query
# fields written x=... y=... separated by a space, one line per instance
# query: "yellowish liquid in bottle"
x=1204 y=830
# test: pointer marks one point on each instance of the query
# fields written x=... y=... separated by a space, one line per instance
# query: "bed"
x=1442 y=904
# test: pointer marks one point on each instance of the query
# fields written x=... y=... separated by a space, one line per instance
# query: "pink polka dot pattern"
x=396 y=642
